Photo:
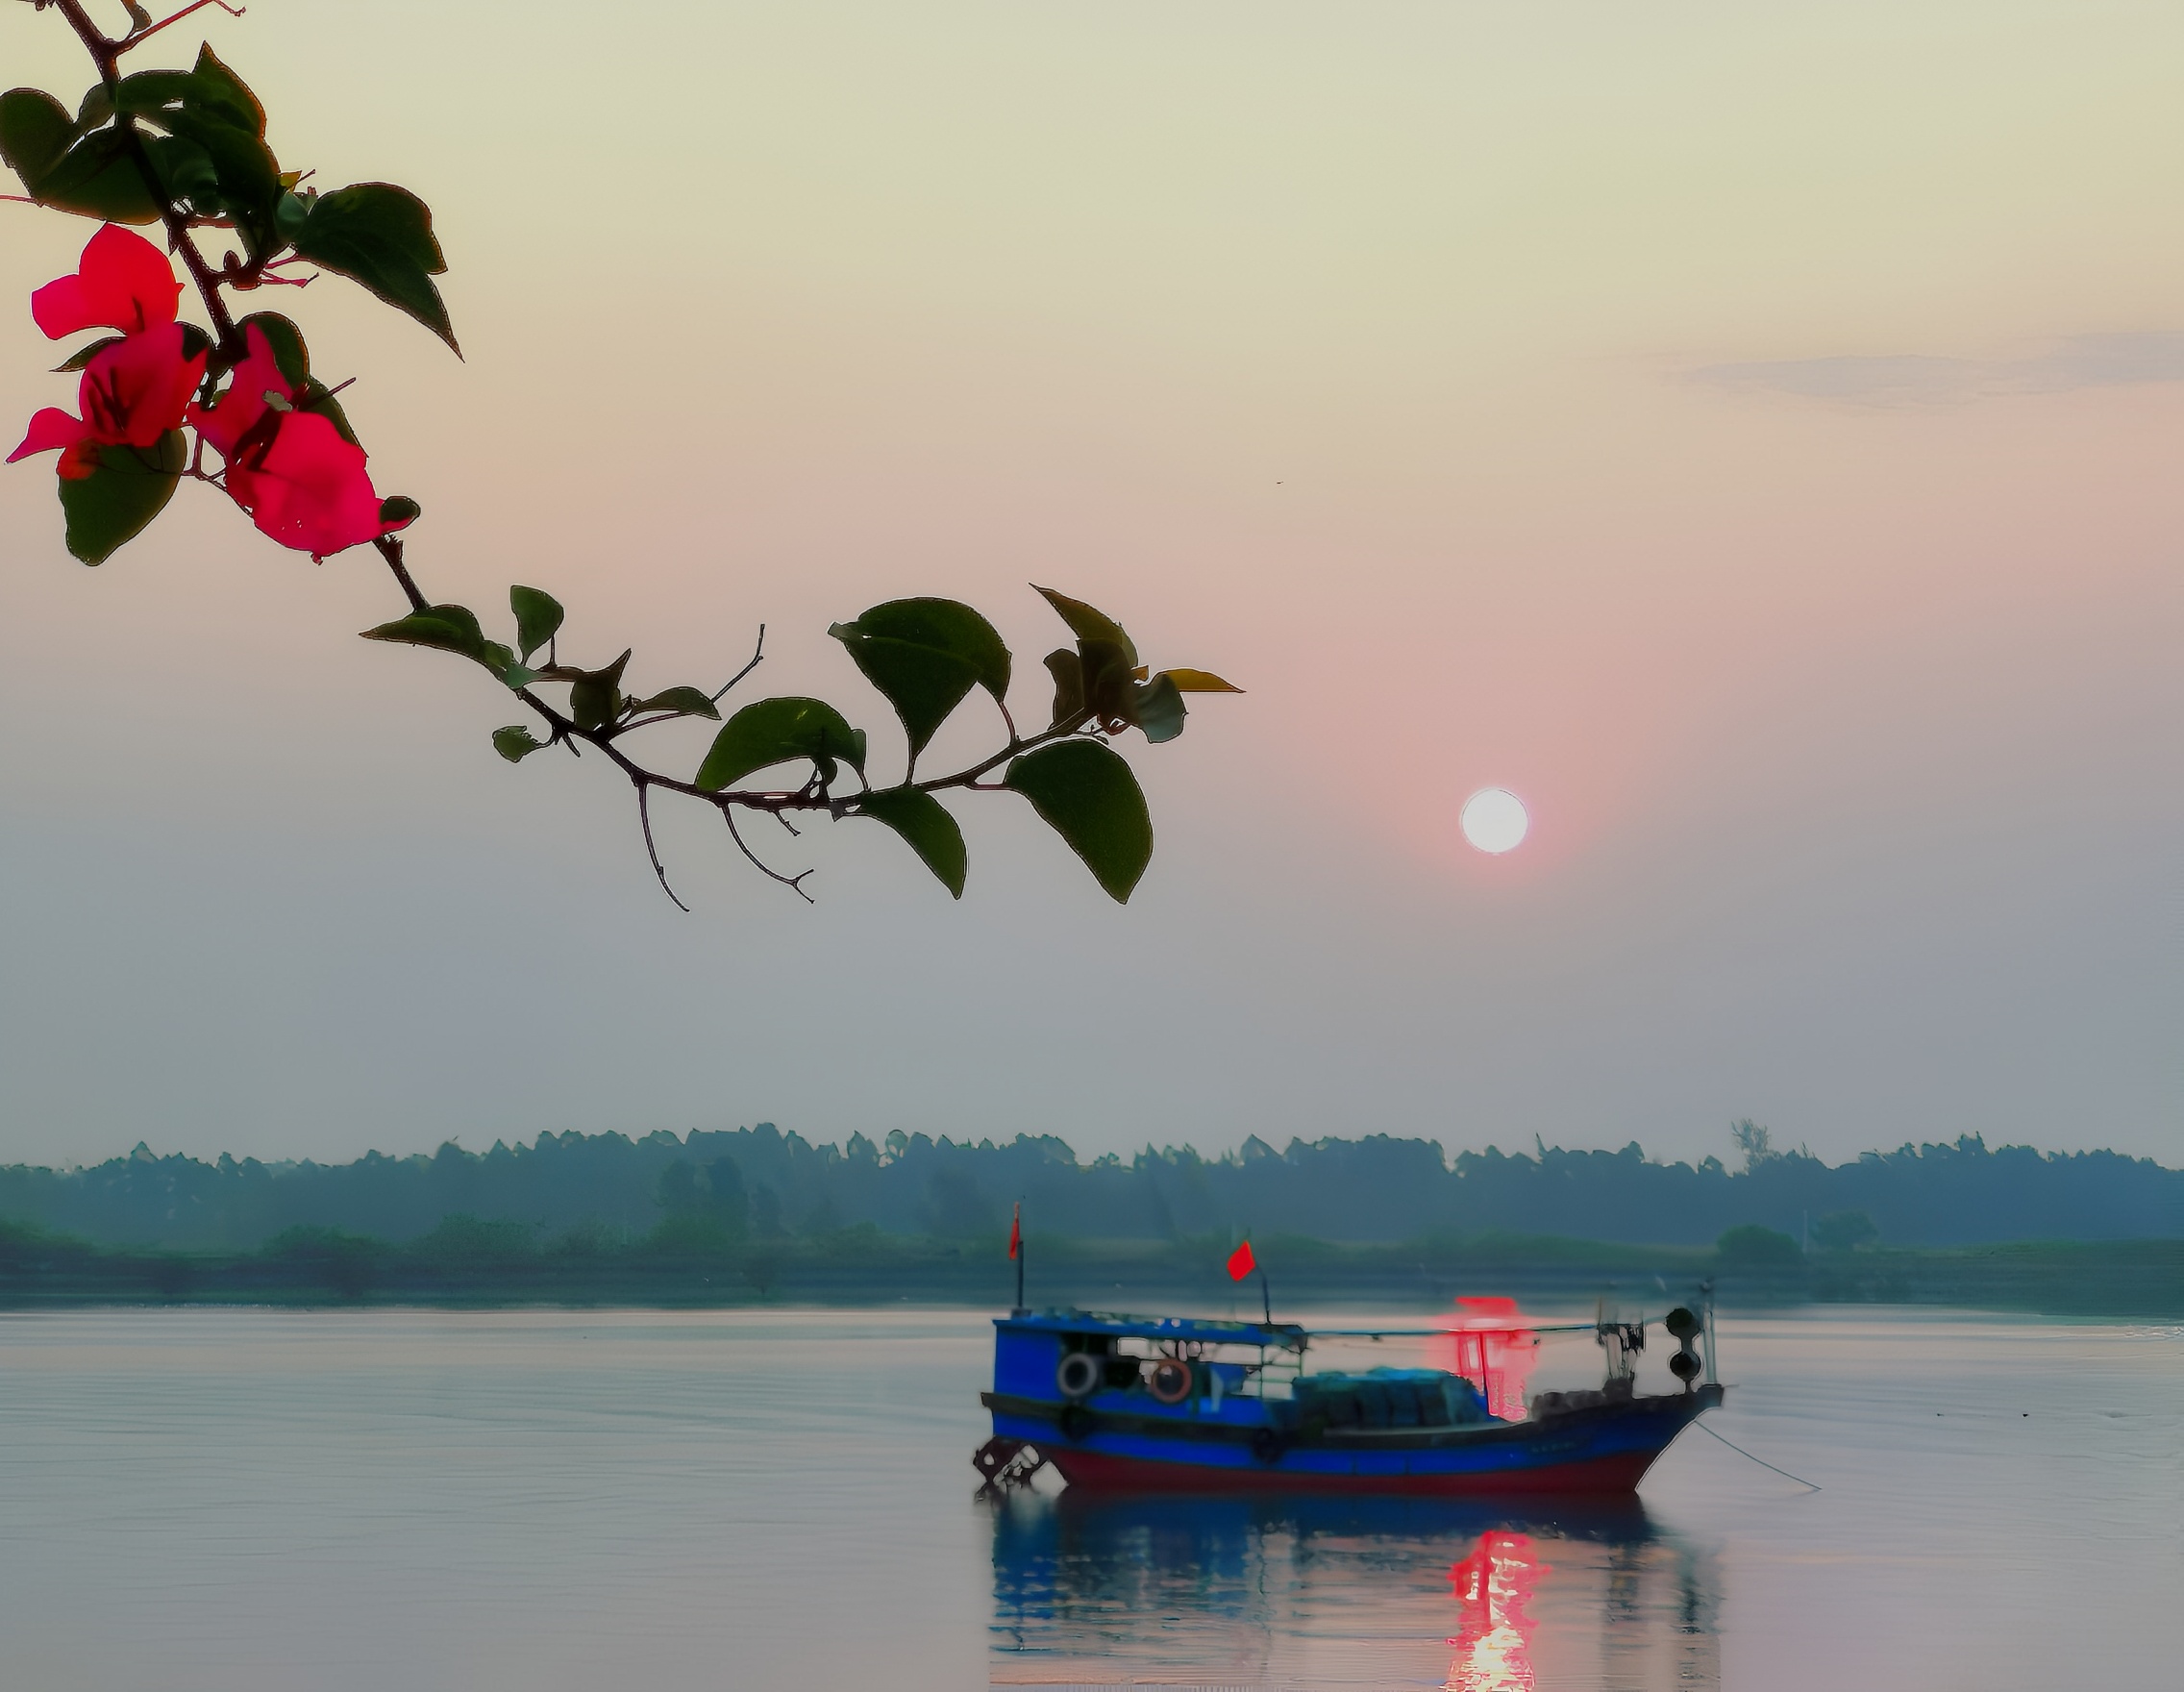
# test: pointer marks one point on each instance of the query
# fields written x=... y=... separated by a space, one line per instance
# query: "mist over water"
x=246 y=1500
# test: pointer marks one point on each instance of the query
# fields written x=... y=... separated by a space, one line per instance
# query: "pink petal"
x=310 y=490
x=51 y=429
x=122 y=282
x=237 y=412
x=138 y=388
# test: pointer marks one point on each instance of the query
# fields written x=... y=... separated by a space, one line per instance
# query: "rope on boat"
x=1761 y=1462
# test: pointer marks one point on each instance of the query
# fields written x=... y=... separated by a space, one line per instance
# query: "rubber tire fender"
x=1079 y=1375
x=1171 y=1381
x=1075 y=1421
x=1267 y=1446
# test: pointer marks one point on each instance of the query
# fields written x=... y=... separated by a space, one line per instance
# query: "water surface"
x=247 y=1501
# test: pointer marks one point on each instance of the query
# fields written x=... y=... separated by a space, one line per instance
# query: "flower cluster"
x=297 y=473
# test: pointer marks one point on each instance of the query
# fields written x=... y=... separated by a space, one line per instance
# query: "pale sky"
x=1746 y=432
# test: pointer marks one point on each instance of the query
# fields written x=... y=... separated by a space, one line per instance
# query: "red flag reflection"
x=1489 y=1345
x=1494 y=1640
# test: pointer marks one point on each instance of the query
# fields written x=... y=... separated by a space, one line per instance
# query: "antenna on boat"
x=1016 y=1251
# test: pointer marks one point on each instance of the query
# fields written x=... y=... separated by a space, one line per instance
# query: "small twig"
x=644 y=816
x=795 y=883
x=390 y=549
x=136 y=36
x=757 y=652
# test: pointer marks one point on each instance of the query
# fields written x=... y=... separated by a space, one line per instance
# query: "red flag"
x=1241 y=1263
x=1016 y=1231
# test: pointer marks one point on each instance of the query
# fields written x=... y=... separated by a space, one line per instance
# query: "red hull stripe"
x=1619 y=1473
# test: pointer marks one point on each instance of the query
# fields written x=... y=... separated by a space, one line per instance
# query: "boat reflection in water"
x=1315 y=1591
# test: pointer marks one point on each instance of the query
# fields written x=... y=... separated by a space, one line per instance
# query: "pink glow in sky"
x=1745 y=433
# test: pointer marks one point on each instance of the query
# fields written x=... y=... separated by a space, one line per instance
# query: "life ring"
x=1079 y=1375
x=1266 y=1446
x=1076 y=1422
x=1169 y=1381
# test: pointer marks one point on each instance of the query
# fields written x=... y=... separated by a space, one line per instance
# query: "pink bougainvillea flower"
x=307 y=487
x=302 y=483
x=133 y=392
x=122 y=282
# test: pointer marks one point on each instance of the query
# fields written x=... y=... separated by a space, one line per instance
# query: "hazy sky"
x=1750 y=434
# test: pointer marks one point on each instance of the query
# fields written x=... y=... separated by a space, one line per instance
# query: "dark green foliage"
x=780 y=730
x=516 y=742
x=1751 y=1246
x=925 y=823
x=538 y=618
x=1088 y=796
x=382 y=236
x=925 y=655
x=111 y=506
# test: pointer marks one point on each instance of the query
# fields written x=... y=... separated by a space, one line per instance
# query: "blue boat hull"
x=1601 y=1448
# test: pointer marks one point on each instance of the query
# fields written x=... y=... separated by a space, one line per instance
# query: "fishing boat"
x=1187 y=1404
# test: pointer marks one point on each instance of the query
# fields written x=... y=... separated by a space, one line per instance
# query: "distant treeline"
x=694 y=1258
x=762 y=1184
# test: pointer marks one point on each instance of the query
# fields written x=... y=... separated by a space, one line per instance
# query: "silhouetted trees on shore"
x=573 y=1191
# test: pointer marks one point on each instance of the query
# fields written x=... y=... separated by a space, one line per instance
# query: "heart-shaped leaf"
x=382 y=236
x=775 y=731
x=1088 y=796
x=113 y=504
x=925 y=822
x=925 y=655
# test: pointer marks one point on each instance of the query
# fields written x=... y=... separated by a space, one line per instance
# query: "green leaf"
x=113 y=504
x=775 y=731
x=1087 y=624
x=1199 y=682
x=249 y=176
x=925 y=655
x=95 y=110
x=382 y=236
x=1158 y=709
x=516 y=742
x=285 y=342
x=220 y=93
x=35 y=133
x=185 y=171
x=1110 y=688
x=398 y=510
x=100 y=178
x=683 y=702
x=595 y=697
x=1068 y=671
x=144 y=93
x=925 y=822
x=1088 y=796
x=538 y=618
x=83 y=356
x=450 y=628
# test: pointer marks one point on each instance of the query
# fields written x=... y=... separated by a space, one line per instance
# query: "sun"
x=1495 y=820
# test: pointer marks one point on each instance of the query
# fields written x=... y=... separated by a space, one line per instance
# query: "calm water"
x=250 y=1501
